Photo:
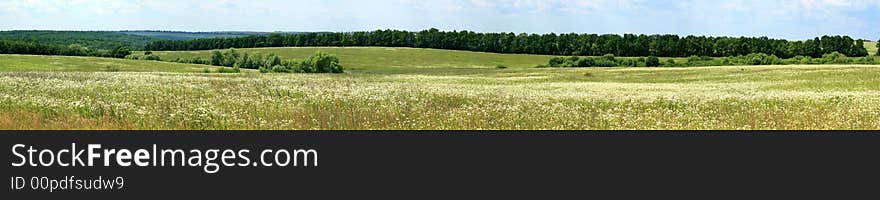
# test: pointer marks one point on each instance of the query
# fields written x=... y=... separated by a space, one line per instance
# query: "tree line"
x=35 y=48
x=89 y=39
x=609 y=60
x=573 y=44
x=320 y=62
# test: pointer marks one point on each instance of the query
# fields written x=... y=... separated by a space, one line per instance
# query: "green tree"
x=120 y=52
x=272 y=61
x=652 y=61
x=216 y=58
x=325 y=63
x=556 y=61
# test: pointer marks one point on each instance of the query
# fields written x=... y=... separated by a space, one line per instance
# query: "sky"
x=787 y=19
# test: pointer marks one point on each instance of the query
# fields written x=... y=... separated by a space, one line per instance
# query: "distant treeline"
x=628 y=45
x=34 y=48
x=89 y=39
x=182 y=35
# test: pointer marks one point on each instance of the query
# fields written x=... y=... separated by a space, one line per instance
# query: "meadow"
x=405 y=88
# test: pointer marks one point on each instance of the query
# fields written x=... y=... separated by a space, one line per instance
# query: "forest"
x=88 y=39
x=569 y=44
x=36 y=48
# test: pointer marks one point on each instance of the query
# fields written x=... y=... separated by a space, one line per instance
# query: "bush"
x=652 y=61
x=586 y=62
x=501 y=66
x=322 y=63
x=280 y=69
x=319 y=63
x=628 y=62
x=570 y=61
x=771 y=60
x=151 y=57
x=834 y=58
x=693 y=59
x=609 y=57
x=605 y=63
x=556 y=61
x=803 y=60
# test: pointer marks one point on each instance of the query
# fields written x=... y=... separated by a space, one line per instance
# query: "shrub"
x=834 y=58
x=802 y=60
x=586 y=62
x=151 y=57
x=280 y=69
x=556 y=61
x=324 y=63
x=501 y=66
x=605 y=63
x=771 y=60
x=609 y=57
x=628 y=62
x=706 y=58
x=570 y=61
x=693 y=59
x=652 y=61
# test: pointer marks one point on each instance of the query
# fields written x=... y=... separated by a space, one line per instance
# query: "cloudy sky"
x=790 y=19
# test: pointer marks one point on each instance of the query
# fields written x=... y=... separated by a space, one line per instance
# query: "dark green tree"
x=652 y=61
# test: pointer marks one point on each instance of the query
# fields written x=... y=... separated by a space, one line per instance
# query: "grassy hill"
x=405 y=88
x=387 y=58
x=32 y=63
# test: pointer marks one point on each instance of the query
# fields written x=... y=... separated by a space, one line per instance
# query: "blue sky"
x=790 y=19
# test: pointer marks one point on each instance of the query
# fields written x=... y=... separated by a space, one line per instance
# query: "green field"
x=404 y=88
x=386 y=59
x=22 y=63
x=392 y=60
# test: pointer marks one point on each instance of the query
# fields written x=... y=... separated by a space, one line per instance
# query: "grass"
x=396 y=60
x=16 y=63
x=421 y=93
x=388 y=60
x=872 y=48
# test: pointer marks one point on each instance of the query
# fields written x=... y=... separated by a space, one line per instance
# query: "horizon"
x=787 y=19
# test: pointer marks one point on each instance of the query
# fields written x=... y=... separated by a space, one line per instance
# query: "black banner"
x=447 y=164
